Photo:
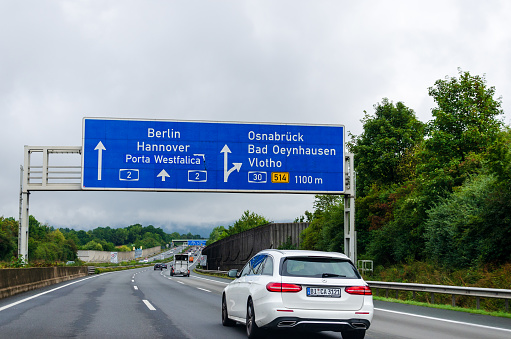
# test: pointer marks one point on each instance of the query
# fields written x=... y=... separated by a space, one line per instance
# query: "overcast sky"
x=291 y=61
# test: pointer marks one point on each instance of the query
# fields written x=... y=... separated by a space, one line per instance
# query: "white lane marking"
x=132 y=280
x=149 y=306
x=43 y=293
x=135 y=287
x=202 y=289
x=444 y=320
x=182 y=283
x=220 y=282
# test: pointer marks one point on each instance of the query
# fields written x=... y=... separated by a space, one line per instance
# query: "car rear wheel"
x=353 y=334
x=225 y=316
x=252 y=330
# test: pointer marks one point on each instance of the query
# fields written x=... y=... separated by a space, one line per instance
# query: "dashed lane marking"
x=149 y=306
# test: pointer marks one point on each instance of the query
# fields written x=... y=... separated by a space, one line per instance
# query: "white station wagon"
x=293 y=289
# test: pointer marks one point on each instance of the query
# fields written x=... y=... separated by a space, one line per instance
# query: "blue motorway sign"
x=197 y=242
x=170 y=155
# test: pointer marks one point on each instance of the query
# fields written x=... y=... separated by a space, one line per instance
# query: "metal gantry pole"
x=20 y=210
x=350 y=235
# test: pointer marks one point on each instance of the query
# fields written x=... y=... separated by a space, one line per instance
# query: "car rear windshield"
x=181 y=257
x=318 y=267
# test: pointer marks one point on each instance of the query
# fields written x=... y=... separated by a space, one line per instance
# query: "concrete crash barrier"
x=18 y=280
x=234 y=251
x=105 y=256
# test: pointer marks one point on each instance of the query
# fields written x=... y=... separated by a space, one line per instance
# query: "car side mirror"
x=232 y=273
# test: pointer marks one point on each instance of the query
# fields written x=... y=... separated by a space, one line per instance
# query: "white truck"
x=180 y=265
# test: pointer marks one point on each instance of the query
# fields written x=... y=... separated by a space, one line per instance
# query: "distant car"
x=157 y=266
x=163 y=266
x=144 y=261
x=302 y=290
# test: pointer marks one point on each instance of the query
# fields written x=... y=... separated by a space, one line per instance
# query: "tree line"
x=437 y=191
x=50 y=244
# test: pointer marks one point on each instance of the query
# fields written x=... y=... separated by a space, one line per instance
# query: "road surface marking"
x=135 y=287
x=202 y=289
x=149 y=306
x=40 y=294
x=220 y=282
x=444 y=320
x=182 y=283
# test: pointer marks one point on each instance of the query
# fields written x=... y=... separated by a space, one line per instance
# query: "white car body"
x=344 y=302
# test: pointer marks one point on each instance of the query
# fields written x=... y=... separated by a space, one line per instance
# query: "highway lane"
x=148 y=303
x=103 y=306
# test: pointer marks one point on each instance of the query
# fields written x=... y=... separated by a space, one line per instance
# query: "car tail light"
x=283 y=287
x=359 y=290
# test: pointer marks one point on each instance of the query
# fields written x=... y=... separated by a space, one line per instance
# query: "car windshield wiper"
x=330 y=275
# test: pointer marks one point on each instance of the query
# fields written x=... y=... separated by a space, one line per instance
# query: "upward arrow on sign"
x=100 y=148
x=163 y=174
x=237 y=165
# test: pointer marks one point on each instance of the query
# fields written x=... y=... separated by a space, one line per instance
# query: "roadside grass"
x=445 y=307
x=213 y=274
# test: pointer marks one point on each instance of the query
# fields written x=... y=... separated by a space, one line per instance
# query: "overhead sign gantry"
x=200 y=156
x=170 y=155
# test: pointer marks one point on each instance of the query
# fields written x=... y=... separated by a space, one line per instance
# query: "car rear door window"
x=267 y=266
x=256 y=264
x=245 y=270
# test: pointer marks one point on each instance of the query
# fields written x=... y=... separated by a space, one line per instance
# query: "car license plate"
x=323 y=292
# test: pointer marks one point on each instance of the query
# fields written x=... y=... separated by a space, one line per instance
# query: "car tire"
x=353 y=334
x=252 y=330
x=225 y=316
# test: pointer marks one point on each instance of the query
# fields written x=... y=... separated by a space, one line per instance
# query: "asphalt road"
x=144 y=303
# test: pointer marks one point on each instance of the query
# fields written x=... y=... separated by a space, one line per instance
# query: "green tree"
x=247 y=221
x=93 y=245
x=326 y=229
x=215 y=234
x=388 y=135
x=465 y=121
x=7 y=246
x=8 y=237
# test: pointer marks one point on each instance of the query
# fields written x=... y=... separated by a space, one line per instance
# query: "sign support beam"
x=44 y=177
x=350 y=235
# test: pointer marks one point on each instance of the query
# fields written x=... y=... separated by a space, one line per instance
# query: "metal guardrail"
x=476 y=292
x=211 y=271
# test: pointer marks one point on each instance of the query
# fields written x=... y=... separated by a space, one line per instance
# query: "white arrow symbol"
x=163 y=174
x=236 y=167
x=100 y=148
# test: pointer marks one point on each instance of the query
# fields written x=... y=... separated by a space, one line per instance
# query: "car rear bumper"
x=270 y=312
x=309 y=324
